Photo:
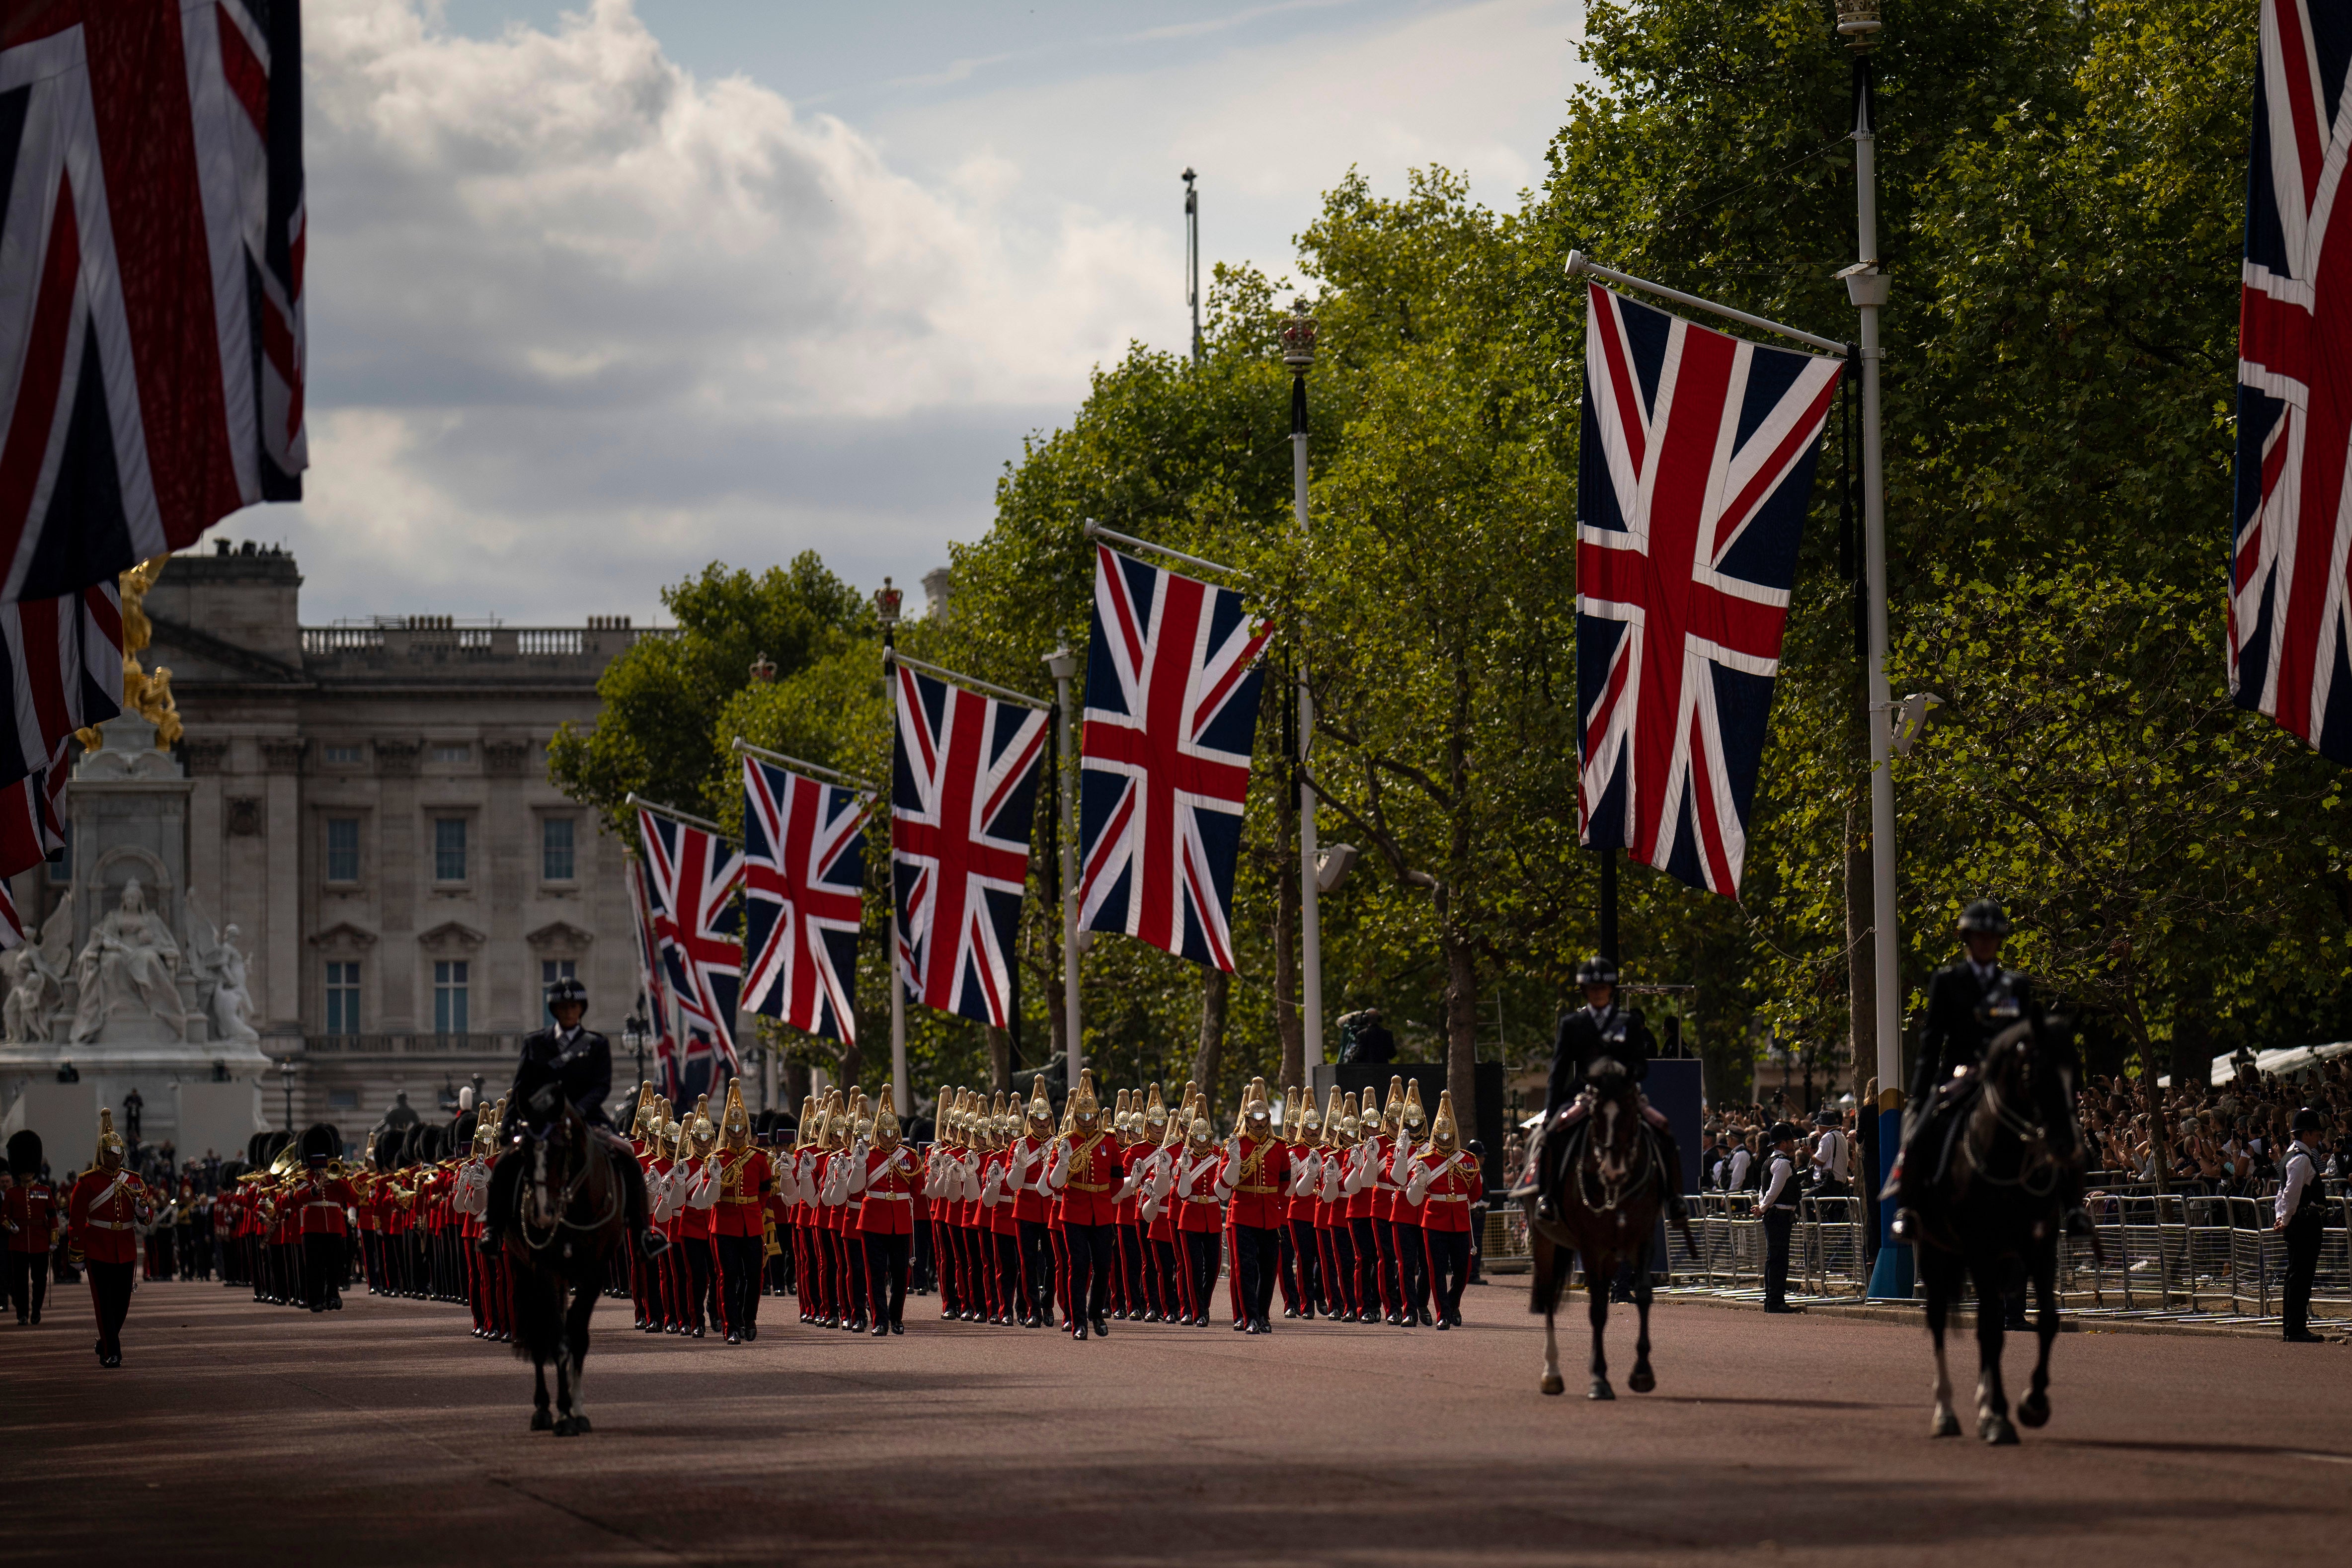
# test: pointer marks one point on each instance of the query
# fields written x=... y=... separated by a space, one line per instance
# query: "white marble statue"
x=35 y=974
x=130 y=958
x=218 y=965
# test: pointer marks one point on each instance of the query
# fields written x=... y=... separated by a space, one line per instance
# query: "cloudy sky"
x=600 y=291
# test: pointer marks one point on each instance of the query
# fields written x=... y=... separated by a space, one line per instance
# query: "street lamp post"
x=1299 y=353
x=286 y=1078
x=1866 y=288
x=1061 y=665
x=887 y=600
x=633 y=1035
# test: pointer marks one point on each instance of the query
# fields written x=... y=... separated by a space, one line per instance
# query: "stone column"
x=397 y=839
x=513 y=849
x=279 y=946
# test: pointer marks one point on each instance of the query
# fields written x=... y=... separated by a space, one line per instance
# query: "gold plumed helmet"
x=1003 y=1123
x=110 y=1143
x=1331 y=1119
x=701 y=1135
x=645 y=1110
x=735 y=1124
x=1119 y=1114
x=1041 y=1108
x=1202 y=1133
x=1351 y=1126
x=1154 y=1112
x=1413 y=1116
x=886 y=1125
x=1442 y=1134
x=1255 y=1119
x=1395 y=1107
x=806 y=1130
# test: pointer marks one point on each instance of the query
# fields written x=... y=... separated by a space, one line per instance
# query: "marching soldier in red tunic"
x=739 y=1170
x=1441 y=1181
x=1257 y=1172
x=1032 y=1209
x=885 y=1178
x=1085 y=1173
x=101 y=1214
x=320 y=1203
x=29 y=1217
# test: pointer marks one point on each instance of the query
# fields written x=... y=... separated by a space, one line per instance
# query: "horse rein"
x=572 y=1190
x=2034 y=1138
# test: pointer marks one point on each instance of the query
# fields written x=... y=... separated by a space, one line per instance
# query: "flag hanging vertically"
x=964 y=788
x=1172 y=685
x=803 y=886
x=691 y=878
x=1697 y=466
x=63 y=661
x=2287 y=632
x=652 y=983
x=150 y=279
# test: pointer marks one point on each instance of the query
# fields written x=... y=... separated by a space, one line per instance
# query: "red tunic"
x=744 y=1182
x=1130 y=1208
x=1302 y=1205
x=101 y=1213
x=1029 y=1204
x=1447 y=1204
x=1203 y=1211
x=892 y=1176
x=1089 y=1192
x=1360 y=1203
x=1260 y=1179
x=31 y=1208
x=319 y=1204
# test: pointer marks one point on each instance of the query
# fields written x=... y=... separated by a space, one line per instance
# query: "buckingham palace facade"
x=370 y=809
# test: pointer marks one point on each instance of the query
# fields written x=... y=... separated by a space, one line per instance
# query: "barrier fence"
x=2182 y=1256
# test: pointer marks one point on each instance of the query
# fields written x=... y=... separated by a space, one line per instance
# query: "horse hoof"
x=1643 y=1380
x=1996 y=1431
x=580 y=1424
x=2033 y=1410
x=1945 y=1425
x=1600 y=1390
x=541 y=1421
x=1555 y=1383
x=567 y=1427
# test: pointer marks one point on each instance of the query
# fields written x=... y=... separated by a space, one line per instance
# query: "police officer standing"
x=1777 y=1204
x=2301 y=1213
x=578 y=1063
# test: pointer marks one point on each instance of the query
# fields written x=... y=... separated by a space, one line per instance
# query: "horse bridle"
x=570 y=1191
x=2032 y=1135
x=1614 y=1190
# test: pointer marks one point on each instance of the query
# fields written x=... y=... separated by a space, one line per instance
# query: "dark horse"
x=1993 y=1211
x=1604 y=1202
x=569 y=1220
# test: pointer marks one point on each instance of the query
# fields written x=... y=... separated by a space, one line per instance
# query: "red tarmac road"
x=242 y=1434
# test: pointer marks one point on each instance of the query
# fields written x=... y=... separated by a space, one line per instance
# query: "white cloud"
x=581 y=321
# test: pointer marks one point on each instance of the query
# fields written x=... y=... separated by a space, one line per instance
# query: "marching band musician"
x=1441 y=1181
x=31 y=1215
x=886 y=1176
x=1257 y=1173
x=101 y=1213
x=322 y=1204
x=1085 y=1174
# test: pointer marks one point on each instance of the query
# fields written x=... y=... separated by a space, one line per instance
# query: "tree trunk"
x=1000 y=1059
x=1216 y=988
x=1461 y=1039
x=1861 y=961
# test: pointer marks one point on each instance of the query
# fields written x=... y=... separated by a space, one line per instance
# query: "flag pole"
x=886 y=610
x=1299 y=353
x=1062 y=664
x=1866 y=287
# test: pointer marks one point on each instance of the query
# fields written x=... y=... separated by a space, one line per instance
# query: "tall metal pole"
x=902 y=1097
x=1192 y=259
x=1299 y=353
x=1062 y=664
x=1866 y=287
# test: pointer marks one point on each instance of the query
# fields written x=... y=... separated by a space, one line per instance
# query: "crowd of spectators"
x=2222 y=1139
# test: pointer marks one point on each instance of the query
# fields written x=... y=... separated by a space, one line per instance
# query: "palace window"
x=556 y=861
x=450 y=988
x=448 y=849
x=457 y=752
x=342 y=849
x=343 y=998
x=342 y=753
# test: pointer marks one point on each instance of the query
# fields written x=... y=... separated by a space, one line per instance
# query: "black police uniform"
x=2303 y=1235
x=1584 y=1039
x=578 y=1063
x=1776 y=1201
x=1965 y=1010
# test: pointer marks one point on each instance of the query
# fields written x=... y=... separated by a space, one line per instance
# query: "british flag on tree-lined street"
x=150 y=278
x=1173 y=685
x=964 y=788
x=804 y=887
x=691 y=878
x=1697 y=466
x=2288 y=637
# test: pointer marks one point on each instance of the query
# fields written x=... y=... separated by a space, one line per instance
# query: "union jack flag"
x=150 y=278
x=1173 y=685
x=63 y=661
x=653 y=984
x=963 y=789
x=1697 y=462
x=803 y=896
x=690 y=883
x=2287 y=575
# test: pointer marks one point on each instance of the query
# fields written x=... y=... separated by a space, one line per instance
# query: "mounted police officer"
x=578 y=1063
x=1600 y=1030
x=1968 y=1002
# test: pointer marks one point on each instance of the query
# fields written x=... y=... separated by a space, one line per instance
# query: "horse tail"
x=539 y=1316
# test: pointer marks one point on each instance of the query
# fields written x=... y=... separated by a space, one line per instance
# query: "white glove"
x=1017 y=1173
x=1417 y=1184
x=1302 y=1175
x=1057 y=1170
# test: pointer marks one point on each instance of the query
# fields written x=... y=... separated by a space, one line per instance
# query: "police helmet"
x=1985 y=915
x=1596 y=971
x=2306 y=1121
x=566 y=989
x=1784 y=1133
